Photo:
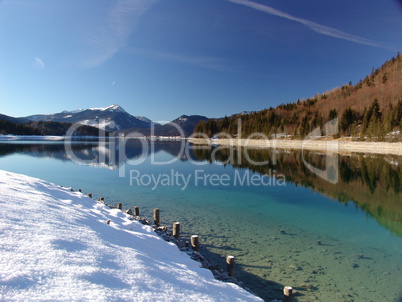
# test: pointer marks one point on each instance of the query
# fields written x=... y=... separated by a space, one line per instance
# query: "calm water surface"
x=269 y=216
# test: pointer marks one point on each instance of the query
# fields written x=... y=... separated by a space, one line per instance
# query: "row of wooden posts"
x=287 y=290
x=195 y=244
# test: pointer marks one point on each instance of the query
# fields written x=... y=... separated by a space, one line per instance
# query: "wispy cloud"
x=321 y=29
x=38 y=63
x=112 y=33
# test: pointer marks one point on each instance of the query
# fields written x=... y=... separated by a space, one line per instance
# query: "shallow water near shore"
x=331 y=242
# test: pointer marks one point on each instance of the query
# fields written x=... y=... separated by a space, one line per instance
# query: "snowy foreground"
x=56 y=246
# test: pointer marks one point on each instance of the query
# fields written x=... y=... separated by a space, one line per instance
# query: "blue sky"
x=162 y=59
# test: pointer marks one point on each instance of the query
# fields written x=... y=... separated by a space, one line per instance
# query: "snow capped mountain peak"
x=115 y=108
x=111 y=108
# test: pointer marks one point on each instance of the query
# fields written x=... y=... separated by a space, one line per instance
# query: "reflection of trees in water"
x=369 y=170
x=346 y=173
x=372 y=182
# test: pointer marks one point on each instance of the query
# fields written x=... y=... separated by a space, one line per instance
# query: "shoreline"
x=325 y=145
x=61 y=243
x=183 y=245
x=46 y=138
x=332 y=146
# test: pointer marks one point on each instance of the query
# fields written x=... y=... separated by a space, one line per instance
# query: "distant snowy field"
x=56 y=246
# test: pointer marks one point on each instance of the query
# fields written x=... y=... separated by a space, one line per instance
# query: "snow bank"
x=48 y=138
x=56 y=246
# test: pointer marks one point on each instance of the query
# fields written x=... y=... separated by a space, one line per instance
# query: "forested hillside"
x=368 y=110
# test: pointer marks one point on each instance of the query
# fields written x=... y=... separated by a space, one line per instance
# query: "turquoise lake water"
x=271 y=225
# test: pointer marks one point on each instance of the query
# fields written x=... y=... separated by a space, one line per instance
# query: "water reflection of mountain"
x=372 y=182
x=49 y=150
x=108 y=154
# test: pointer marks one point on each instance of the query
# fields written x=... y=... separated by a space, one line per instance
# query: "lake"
x=334 y=238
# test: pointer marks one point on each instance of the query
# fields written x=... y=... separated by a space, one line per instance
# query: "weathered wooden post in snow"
x=136 y=211
x=230 y=265
x=156 y=217
x=119 y=206
x=176 y=229
x=287 y=294
x=195 y=243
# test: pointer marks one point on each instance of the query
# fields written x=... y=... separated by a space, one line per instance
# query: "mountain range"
x=113 y=119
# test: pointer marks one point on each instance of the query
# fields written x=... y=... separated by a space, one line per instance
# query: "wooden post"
x=287 y=294
x=230 y=265
x=176 y=229
x=156 y=217
x=119 y=206
x=90 y=195
x=195 y=243
x=136 y=211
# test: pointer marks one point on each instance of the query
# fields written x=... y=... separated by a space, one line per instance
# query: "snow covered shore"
x=56 y=246
x=30 y=138
x=46 y=138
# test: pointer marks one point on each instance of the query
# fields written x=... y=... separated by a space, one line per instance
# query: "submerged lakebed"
x=284 y=224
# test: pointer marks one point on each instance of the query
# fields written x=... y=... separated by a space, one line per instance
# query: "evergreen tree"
x=304 y=126
x=225 y=124
x=372 y=120
x=333 y=113
x=317 y=121
x=348 y=118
